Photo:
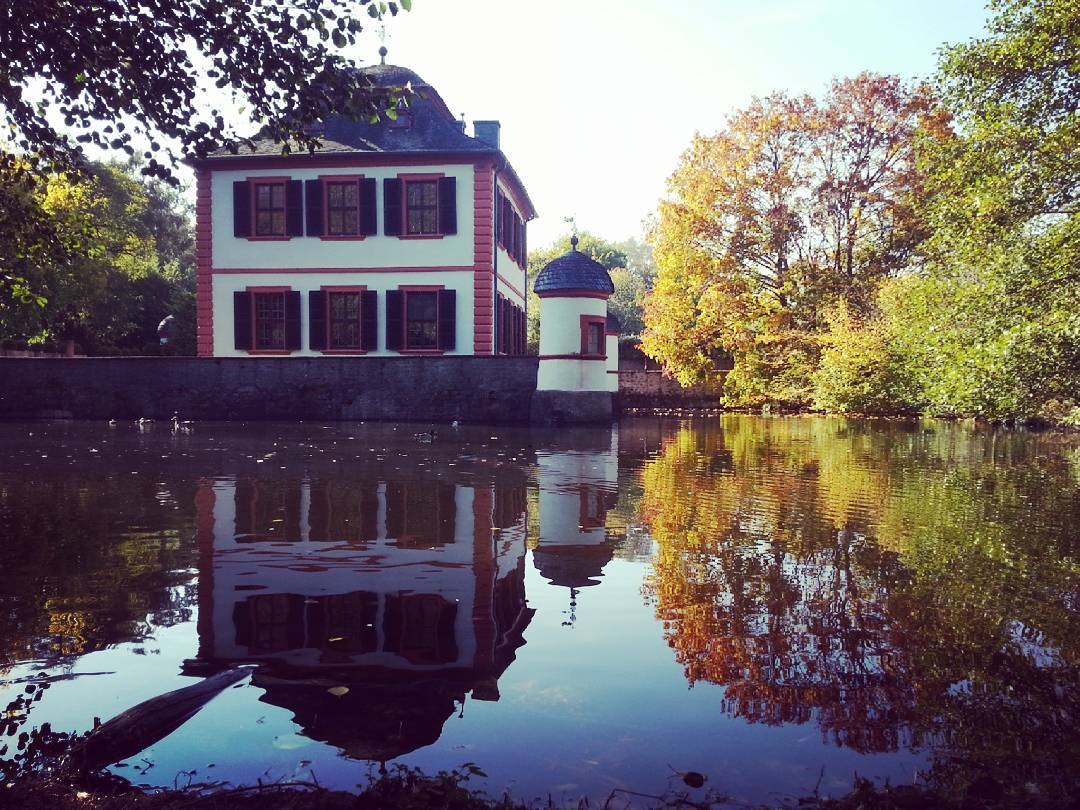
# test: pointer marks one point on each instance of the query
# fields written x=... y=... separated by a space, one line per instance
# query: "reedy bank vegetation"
x=890 y=248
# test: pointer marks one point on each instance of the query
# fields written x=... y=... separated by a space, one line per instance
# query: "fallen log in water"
x=143 y=725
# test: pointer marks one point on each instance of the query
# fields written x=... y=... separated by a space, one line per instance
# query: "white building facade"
x=404 y=237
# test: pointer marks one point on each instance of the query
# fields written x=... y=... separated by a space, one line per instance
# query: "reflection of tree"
x=898 y=587
x=78 y=575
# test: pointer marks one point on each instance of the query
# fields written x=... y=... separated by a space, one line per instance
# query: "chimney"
x=487 y=131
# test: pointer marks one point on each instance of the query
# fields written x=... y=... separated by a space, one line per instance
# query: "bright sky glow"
x=598 y=98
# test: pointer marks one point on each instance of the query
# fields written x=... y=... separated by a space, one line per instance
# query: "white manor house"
x=405 y=236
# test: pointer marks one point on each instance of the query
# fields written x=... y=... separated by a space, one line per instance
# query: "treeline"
x=98 y=256
x=890 y=248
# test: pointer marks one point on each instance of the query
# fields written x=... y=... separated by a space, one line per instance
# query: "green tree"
x=121 y=258
x=119 y=73
x=993 y=319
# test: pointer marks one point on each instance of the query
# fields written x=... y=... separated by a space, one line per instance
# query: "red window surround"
x=256 y=292
x=327 y=179
x=420 y=288
x=283 y=184
x=596 y=325
x=406 y=179
x=329 y=324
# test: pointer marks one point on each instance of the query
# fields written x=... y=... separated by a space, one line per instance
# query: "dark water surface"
x=767 y=601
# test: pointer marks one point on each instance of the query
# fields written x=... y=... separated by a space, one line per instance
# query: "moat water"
x=777 y=603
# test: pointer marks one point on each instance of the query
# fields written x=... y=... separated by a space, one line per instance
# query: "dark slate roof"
x=573 y=271
x=572 y=566
x=613 y=324
x=432 y=129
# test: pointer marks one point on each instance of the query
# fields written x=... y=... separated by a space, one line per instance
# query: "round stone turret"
x=573 y=291
x=573 y=271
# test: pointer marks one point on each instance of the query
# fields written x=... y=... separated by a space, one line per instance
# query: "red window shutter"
x=313 y=192
x=292 y=321
x=369 y=224
x=447 y=320
x=448 y=205
x=241 y=203
x=294 y=208
x=369 y=320
x=317 y=320
x=395 y=320
x=392 y=214
x=243 y=334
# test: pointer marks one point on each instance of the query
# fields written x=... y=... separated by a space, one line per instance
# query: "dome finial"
x=573 y=242
x=382 y=54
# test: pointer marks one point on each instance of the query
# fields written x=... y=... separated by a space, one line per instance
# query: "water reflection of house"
x=577 y=479
x=409 y=593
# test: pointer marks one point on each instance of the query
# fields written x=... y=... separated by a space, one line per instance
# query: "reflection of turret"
x=409 y=594
x=578 y=483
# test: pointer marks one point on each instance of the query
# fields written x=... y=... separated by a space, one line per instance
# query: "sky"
x=598 y=98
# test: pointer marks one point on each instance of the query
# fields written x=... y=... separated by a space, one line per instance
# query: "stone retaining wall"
x=431 y=389
x=651 y=389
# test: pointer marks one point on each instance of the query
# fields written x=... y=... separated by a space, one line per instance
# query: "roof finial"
x=382 y=54
x=572 y=221
x=382 y=47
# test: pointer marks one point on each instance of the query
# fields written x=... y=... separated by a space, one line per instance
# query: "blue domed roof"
x=574 y=271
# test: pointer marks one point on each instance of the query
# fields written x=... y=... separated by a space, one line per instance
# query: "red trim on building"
x=573 y=294
x=585 y=322
x=571 y=357
x=483 y=259
x=339 y=288
x=408 y=288
x=417 y=177
x=340 y=237
x=283 y=181
x=256 y=290
x=504 y=283
x=484 y=572
x=515 y=200
x=204 y=238
x=333 y=161
x=466 y=268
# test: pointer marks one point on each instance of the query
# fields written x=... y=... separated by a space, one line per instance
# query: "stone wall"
x=653 y=389
x=436 y=389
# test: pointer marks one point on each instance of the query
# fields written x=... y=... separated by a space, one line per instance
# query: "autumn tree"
x=796 y=205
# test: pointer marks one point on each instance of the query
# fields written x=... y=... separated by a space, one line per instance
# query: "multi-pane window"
x=421 y=320
x=269 y=320
x=421 y=207
x=343 y=208
x=344 y=312
x=269 y=209
x=595 y=339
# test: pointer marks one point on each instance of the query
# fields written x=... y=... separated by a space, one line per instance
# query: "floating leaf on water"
x=338 y=691
x=693 y=779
